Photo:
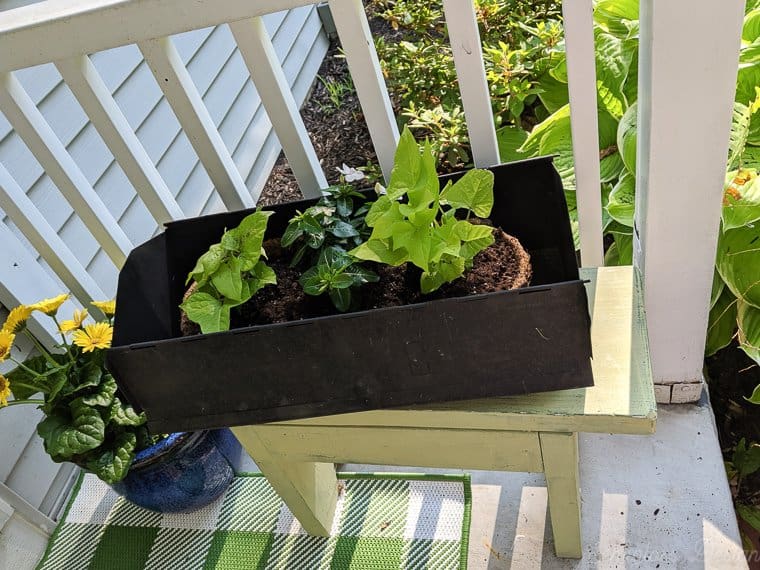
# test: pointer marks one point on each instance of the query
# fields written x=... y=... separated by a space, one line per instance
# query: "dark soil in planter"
x=503 y=266
x=732 y=375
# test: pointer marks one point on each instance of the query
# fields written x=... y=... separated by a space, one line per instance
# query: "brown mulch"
x=339 y=135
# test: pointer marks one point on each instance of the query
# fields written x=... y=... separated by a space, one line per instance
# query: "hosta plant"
x=415 y=221
x=85 y=421
x=229 y=274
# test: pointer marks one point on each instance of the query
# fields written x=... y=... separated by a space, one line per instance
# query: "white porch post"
x=687 y=77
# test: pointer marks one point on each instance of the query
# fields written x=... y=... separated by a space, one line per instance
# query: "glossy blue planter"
x=183 y=472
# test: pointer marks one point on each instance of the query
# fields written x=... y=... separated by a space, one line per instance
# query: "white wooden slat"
x=356 y=39
x=96 y=100
x=581 y=76
x=57 y=162
x=681 y=167
x=27 y=511
x=76 y=27
x=182 y=94
x=25 y=281
x=266 y=72
x=45 y=240
x=462 y=24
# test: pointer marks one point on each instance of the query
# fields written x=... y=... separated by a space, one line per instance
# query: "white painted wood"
x=52 y=155
x=25 y=281
x=266 y=72
x=581 y=76
x=462 y=24
x=26 y=510
x=76 y=27
x=182 y=94
x=356 y=39
x=28 y=219
x=682 y=152
x=96 y=100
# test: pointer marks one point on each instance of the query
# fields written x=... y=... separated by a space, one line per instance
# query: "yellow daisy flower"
x=5 y=390
x=108 y=307
x=75 y=323
x=16 y=320
x=6 y=341
x=50 y=306
x=93 y=336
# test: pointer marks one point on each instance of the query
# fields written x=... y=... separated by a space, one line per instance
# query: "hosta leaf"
x=717 y=288
x=738 y=262
x=620 y=252
x=552 y=92
x=611 y=13
x=112 y=464
x=474 y=191
x=748 y=320
x=748 y=76
x=613 y=60
x=104 y=395
x=739 y=133
x=721 y=324
x=208 y=311
x=510 y=138
x=751 y=27
x=73 y=433
x=741 y=203
x=611 y=167
x=626 y=138
x=622 y=199
x=125 y=415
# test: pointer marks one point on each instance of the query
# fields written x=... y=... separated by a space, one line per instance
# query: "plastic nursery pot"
x=183 y=472
x=496 y=344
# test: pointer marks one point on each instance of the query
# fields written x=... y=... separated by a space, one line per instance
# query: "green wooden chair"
x=535 y=433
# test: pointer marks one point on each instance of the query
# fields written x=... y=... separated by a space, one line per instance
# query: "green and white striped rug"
x=382 y=522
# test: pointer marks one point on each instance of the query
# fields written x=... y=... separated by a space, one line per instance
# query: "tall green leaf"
x=722 y=323
x=627 y=138
x=741 y=205
x=748 y=319
x=738 y=262
x=621 y=204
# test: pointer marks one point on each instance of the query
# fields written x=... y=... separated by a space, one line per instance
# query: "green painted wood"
x=621 y=401
x=309 y=489
x=560 y=453
x=461 y=449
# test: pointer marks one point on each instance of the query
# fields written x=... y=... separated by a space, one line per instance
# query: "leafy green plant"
x=337 y=90
x=85 y=421
x=229 y=274
x=324 y=233
x=416 y=221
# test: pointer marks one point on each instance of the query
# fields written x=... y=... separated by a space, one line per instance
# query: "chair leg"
x=310 y=490
x=560 y=456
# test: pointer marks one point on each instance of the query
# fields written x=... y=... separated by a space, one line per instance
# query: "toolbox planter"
x=496 y=344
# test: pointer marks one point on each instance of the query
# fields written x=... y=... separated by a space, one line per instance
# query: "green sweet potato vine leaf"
x=229 y=274
x=415 y=221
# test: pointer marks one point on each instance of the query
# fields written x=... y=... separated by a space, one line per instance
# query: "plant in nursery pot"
x=477 y=295
x=87 y=423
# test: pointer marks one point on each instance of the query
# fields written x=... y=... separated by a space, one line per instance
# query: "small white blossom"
x=380 y=189
x=350 y=174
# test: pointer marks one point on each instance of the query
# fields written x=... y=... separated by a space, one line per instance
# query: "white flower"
x=350 y=174
x=380 y=189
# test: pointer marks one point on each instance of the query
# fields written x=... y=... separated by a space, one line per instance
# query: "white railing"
x=67 y=31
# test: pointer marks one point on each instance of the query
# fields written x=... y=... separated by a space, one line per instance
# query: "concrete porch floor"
x=658 y=501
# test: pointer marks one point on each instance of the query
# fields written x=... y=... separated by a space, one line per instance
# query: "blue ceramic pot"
x=183 y=472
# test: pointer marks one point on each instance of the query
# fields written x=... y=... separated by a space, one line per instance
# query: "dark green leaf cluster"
x=229 y=274
x=85 y=421
x=323 y=233
x=416 y=221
